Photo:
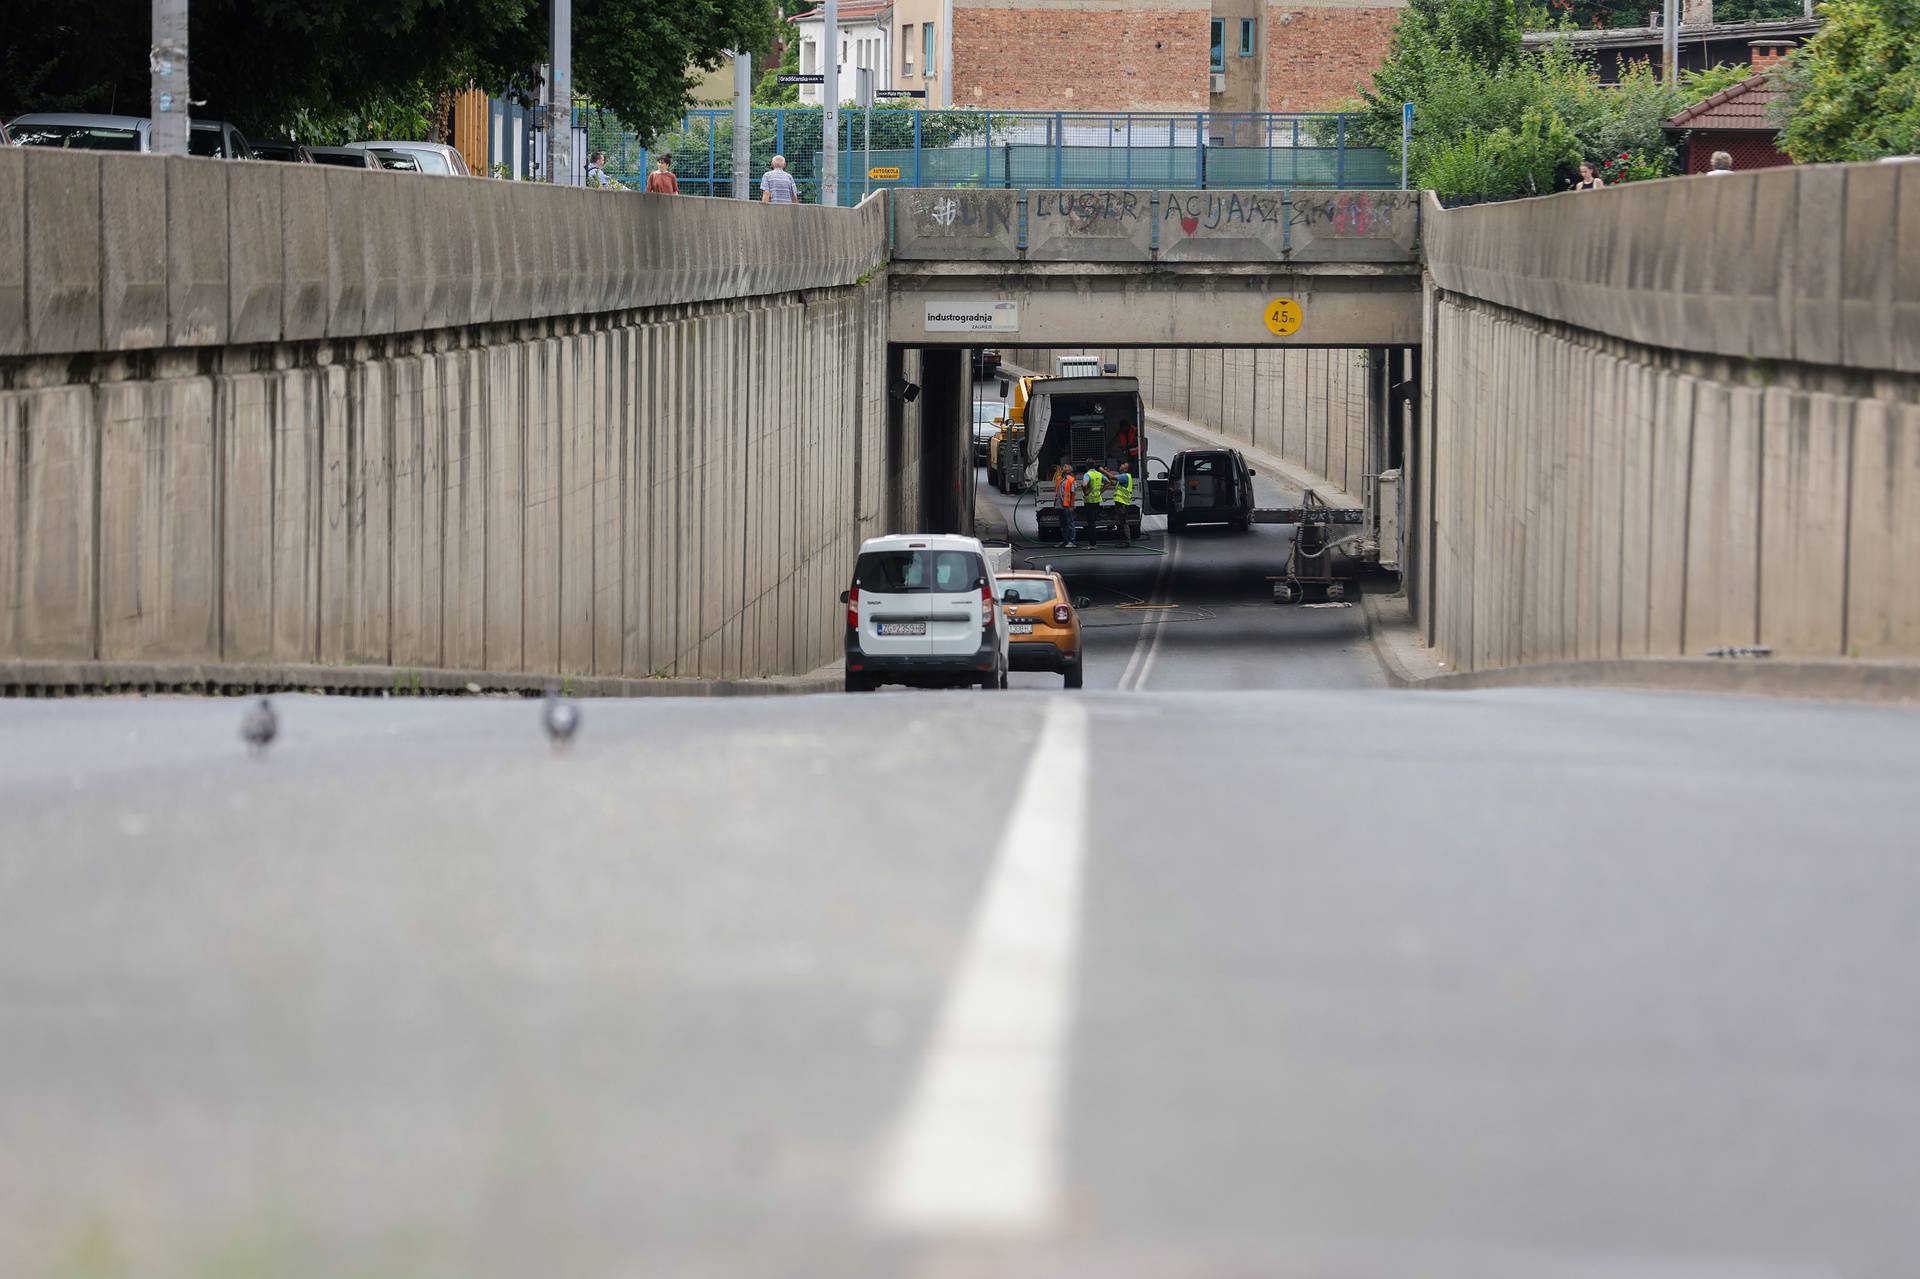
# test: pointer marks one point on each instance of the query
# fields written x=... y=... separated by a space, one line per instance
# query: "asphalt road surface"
x=1193 y=610
x=1317 y=983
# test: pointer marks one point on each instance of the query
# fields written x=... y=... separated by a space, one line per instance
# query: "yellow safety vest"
x=1094 y=482
x=1125 y=485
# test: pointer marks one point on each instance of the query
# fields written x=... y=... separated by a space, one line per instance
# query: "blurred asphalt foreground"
x=1320 y=983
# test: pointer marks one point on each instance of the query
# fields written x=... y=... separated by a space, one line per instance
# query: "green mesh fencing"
x=1005 y=149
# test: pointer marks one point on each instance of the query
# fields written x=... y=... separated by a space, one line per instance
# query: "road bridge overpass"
x=1149 y=268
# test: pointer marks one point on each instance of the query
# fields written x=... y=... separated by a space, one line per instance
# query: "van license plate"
x=899 y=628
x=1022 y=628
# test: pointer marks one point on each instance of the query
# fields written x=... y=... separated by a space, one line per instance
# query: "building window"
x=926 y=50
x=906 y=49
x=1246 y=37
x=1219 y=53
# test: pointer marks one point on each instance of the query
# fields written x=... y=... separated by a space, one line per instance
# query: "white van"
x=923 y=609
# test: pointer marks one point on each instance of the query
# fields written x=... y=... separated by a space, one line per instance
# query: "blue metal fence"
x=1008 y=149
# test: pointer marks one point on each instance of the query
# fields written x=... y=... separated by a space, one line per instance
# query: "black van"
x=1209 y=486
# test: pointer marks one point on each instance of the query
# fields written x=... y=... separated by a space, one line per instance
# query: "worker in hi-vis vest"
x=1063 y=498
x=1124 y=485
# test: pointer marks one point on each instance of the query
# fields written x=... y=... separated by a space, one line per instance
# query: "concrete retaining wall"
x=1644 y=444
x=132 y=252
x=1307 y=406
x=670 y=492
x=310 y=454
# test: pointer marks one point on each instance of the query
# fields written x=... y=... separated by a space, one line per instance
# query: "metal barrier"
x=1055 y=149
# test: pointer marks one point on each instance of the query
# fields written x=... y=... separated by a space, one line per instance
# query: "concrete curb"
x=82 y=679
x=1836 y=679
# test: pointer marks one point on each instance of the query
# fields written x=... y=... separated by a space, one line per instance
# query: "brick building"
x=1737 y=119
x=1164 y=55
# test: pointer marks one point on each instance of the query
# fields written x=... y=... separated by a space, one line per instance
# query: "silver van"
x=924 y=609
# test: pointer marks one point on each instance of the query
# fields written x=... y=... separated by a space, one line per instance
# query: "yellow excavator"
x=1006 y=454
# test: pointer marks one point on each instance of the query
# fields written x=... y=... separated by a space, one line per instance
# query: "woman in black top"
x=1587 y=181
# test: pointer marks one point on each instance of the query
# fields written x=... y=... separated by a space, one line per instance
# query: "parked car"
x=1209 y=486
x=924 y=608
x=427 y=157
x=282 y=149
x=79 y=132
x=346 y=157
x=988 y=417
x=1043 y=624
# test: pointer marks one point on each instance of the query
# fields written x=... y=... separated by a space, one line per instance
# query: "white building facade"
x=866 y=40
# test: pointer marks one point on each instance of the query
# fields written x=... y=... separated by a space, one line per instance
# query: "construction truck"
x=1084 y=423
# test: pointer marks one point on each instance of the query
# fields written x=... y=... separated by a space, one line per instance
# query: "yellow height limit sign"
x=884 y=173
x=1283 y=316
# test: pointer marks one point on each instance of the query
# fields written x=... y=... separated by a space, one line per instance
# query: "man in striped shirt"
x=777 y=185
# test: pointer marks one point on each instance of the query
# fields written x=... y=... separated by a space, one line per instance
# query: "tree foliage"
x=1853 y=91
x=1487 y=112
x=277 y=66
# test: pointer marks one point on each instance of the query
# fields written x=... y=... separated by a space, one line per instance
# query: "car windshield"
x=205 y=141
x=1201 y=465
x=351 y=159
x=904 y=572
x=78 y=137
x=428 y=161
x=394 y=160
x=985 y=412
x=1028 y=590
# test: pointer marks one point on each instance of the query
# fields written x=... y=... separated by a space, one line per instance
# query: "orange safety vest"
x=1063 y=488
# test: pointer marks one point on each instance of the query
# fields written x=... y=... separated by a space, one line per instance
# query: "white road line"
x=977 y=1149
x=1140 y=663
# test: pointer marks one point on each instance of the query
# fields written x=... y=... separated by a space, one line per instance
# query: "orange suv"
x=1043 y=624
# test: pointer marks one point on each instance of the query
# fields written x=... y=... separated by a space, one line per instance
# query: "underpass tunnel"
x=1201 y=599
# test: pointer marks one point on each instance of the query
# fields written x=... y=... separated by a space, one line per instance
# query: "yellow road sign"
x=884 y=173
x=1283 y=316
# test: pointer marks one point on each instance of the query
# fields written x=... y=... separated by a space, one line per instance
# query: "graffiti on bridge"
x=1089 y=212
x=1198 y=211
x=961 y=212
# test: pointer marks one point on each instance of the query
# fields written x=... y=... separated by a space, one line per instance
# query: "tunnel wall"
x=1309 y=407
x=655 y=459
x=1651 y=444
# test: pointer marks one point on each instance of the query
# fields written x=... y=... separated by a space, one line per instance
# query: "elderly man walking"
x=777 y=185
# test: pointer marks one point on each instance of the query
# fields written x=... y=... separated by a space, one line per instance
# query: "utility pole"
x=743 y=126
x=561 y=162
x=830 y=104
x=167 y=60
x=1670 y=42
x=863 y=94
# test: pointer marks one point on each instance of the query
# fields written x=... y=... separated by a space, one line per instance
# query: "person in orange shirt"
x=661 y=181
x=1063 y=498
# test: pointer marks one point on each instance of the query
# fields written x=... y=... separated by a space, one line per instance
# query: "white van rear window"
x=904 y=572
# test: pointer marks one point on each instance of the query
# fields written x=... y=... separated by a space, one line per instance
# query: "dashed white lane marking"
x=977 y=1149
x=1147 y=646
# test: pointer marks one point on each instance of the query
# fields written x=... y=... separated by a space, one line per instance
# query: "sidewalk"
x=93 y=679
x=1410 y=664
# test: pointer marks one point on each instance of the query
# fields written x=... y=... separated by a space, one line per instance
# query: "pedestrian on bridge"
x=597 y=172
x=777 y=185
x=661 y=181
